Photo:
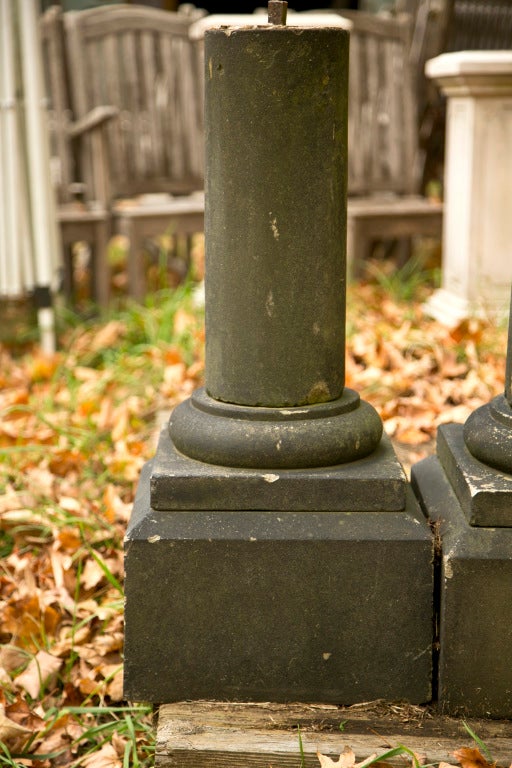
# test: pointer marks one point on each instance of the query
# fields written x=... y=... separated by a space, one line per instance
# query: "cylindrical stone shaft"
x=275 y=222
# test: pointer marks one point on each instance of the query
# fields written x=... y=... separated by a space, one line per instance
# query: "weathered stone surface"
x=275 y=217
x=488 y=434
x=484 y=493
x=281 y=606
x=375 y=483
x=320 y=435
x=475 y=674
x=275 y=234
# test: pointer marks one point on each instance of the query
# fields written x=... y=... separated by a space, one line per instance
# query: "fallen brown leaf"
x=18 y=723
x=28 y=621
x=12 y=658
x=39 y=673
x=106 y=757
x=471 y=758
x=108 y=336
x=10 y=730
x=347 y=759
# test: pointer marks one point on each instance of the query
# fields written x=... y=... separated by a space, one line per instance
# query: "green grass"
x=58 y=465
x=60 y=433
x=478 y=741
x=405 y=283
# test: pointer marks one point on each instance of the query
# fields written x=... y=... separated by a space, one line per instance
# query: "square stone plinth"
x=332 y=606
x=375 y=483
x=484 y=493
x=475 y=584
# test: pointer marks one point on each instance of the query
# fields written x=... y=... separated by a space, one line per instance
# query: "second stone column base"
x=472 y=505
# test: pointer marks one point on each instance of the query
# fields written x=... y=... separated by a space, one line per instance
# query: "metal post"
x=42 y=208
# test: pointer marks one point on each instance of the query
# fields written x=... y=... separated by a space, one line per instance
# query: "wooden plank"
x=357 y=183
x=412 y=170
x=53 y=53
x=101 y=21
x=393 y=205
x=153 y=146
x=371 y=125
x=385 y=137
x=191 y=108
x=76 y=60
x=116 y=148
x=375 y=25
x=171 y=114
x=130 y=102
x=393 y=63
x=186 y=101
x=214 y=734
x=94 y=87
x=198 y=52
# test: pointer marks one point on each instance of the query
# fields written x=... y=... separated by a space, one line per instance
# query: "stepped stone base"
x=180 y=483
x=281 y=605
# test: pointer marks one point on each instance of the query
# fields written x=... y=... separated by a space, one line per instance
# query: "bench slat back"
x=383 y=131
x=58 y=108
x=479 y=25
x=141 y=61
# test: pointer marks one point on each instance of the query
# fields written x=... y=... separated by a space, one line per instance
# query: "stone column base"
x=295 y=604
x=475 y=580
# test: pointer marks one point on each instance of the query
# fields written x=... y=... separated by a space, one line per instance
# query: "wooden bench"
x=139 y=61
x=155 y=144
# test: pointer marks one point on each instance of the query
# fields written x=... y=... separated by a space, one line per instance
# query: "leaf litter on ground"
x=477 y=756
x=75 y=430
x=466 y=757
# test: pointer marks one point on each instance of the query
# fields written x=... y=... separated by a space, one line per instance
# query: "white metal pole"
x=25 y=220
x=3 y=202
x=12 y=267
x=37 y=144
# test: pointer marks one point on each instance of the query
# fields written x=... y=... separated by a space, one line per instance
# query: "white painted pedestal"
x=477 y=227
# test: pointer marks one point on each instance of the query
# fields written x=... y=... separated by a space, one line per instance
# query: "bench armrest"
x=93 y=119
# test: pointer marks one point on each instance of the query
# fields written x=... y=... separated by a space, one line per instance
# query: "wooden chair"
x=385 y=200
x=150 y=177
x=81 y=216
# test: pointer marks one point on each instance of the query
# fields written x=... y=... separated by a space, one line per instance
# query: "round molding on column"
x=230 y=435
x=488 y=434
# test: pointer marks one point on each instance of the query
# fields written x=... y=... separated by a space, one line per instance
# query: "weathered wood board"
x=207 y=734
